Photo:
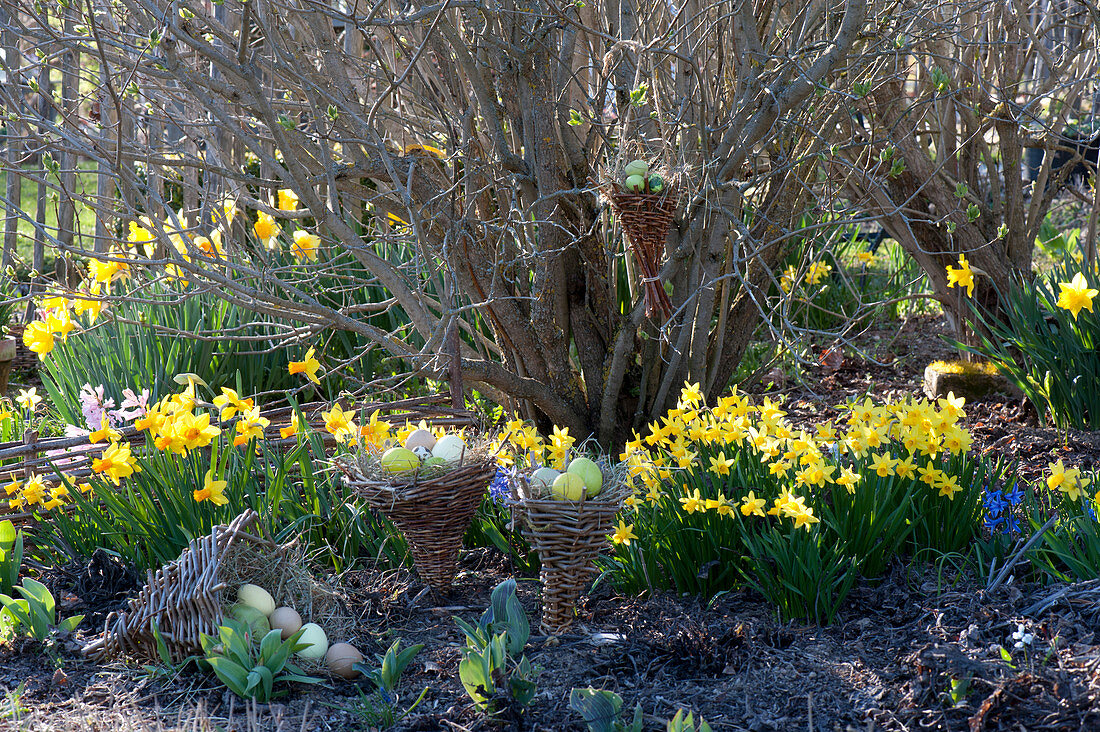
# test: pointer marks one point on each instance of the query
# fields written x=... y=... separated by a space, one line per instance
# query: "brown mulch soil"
x=888 y=663
x=921 y=650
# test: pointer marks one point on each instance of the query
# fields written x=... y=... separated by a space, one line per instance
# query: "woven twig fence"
x=182 y=600
x=646 y=218
x=567 y=536
x=433 y=513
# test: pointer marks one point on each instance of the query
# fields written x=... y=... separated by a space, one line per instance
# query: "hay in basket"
x=188 y=597
x=567 y=536
x=646 y=218
x=432 y=507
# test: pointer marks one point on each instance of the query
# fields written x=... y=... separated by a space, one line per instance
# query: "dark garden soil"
x=922 y=650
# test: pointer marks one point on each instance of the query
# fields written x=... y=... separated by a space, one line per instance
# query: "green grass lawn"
x=85 y=224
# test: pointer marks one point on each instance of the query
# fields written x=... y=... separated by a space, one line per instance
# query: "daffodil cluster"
x=904 y=439
x=520 y=444
x=815 y=273
x=58 y=316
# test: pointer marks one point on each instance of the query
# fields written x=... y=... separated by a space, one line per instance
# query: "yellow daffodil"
x=375 y=432
x=962 y=276
x=691 y=395
x=883 y=464
x=116 y=462
x=751 y=505
x=864 y=258
x=624 y=534
x=721 y=465
x=105 y=432
x=1076 y=295
x=229 y=403
x=339 y=423
x=250 y=426
x=929 y=474
x=288 y=200
x=266 y=230
x=38 y=338
x=693 y=502
x=296 y=425
x=948 y=485
x=804 y=518
x=906 y=469
x=720 y=504
x=305 y=245
x=212 y=490
x=308 y=366
x=848 y=478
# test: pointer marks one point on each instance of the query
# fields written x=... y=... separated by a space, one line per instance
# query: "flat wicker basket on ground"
x=181 y=599
x=567 y=536
x=433 y=512
x=646 y=218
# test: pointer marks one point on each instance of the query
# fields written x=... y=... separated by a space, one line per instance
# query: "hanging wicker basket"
x=433 y=512
x=567 y=536
x=646 y=219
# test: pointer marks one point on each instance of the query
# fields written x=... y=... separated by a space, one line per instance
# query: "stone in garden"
x=965 y=379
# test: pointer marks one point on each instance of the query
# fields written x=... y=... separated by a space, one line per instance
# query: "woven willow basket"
x=567 y=536
x=432 y=512
x=182 y=599
x=646 y=218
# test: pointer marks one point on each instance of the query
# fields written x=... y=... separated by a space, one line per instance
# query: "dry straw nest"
x=432 y=507
x=567 y=536
x=189 y=597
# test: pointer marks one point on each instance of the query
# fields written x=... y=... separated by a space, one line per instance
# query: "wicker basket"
x=646 y=218
x=432 y=512
x=182 y=599
x=567 y=536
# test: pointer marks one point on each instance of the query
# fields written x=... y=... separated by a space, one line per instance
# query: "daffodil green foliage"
x=733 y=495
x=490 y=672
x=171 y=498
x=252 y=667
x=1046 y=342
x=137 y=345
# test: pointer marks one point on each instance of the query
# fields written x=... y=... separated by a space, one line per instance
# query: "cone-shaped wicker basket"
x=433 y=512
x=646 y=218
x=567 y=536
x=181 y=599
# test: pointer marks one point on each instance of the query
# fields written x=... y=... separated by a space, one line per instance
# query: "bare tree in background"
x=941 y=130
x=453 y=151
x=449 y=156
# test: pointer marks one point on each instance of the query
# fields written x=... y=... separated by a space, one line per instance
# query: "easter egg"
x=450 y=448
x=420 y=438
x=399 y=460
x=656 y=184
x=434 y=462
x=253 y=618
x=636 y=167
x=257 y=597
x=286 y=620
x=568 y=487
x=543 y=478
x=589 y=472
x=340 y=659
x=315 y=641
x=635 y=183
x=422 y=452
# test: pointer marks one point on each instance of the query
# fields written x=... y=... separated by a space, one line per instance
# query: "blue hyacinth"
x=999 y=505
x=500 y=488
